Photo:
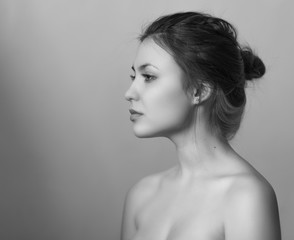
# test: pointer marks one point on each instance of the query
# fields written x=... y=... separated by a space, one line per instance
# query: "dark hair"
x=207 y=50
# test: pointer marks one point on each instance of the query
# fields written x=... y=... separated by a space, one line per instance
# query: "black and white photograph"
x=146 y=120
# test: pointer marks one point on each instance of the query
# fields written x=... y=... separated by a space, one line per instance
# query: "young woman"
x=188 y=85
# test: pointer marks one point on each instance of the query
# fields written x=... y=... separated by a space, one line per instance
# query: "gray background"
x=68 y=152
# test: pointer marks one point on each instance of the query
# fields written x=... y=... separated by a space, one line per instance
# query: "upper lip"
x=132 y=111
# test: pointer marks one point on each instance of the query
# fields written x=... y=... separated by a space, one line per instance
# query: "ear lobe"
x=201 y=95
x=195 y=96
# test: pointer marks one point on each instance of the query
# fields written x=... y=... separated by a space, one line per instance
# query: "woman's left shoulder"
x=248 y=181
x=252 y=183
x=251 y=208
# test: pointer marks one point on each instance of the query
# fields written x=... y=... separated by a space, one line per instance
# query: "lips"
x=135 y=114
x=132 y=111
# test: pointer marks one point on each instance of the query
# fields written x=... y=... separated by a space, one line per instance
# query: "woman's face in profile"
x=156 y=91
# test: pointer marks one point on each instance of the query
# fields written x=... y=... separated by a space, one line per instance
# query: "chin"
x=142 y=131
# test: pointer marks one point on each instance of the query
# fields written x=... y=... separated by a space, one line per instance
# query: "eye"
x=148 y=77
x=132 y=77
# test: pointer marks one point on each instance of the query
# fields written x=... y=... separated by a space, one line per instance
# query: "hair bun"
x=253 y=65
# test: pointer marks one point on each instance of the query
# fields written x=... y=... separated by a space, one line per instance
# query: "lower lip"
x=135 y=116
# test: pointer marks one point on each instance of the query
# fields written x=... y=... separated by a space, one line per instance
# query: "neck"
x=200 y=153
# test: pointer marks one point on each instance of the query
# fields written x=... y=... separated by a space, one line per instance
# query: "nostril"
x=131 y=93
x=128 y=97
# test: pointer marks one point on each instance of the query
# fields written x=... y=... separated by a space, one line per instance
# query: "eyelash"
x=148 y=77
x=132 y=77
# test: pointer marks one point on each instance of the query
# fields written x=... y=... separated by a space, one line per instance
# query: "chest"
x=181 y=215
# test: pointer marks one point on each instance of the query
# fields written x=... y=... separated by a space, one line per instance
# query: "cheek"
x=168 y=106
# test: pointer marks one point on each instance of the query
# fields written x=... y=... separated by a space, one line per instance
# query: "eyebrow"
x=142 y=67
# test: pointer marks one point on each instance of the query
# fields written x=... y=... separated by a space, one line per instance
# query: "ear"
x=202 y=94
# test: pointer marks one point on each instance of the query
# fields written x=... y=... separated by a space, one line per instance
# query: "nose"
x=131 y=93
x=128 y=96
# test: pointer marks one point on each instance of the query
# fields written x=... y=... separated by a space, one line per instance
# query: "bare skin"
x=169 y=208
x=212 y=193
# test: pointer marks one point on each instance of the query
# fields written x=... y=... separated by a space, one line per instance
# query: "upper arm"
x=252 y=212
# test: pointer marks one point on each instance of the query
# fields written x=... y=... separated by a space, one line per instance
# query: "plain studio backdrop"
x=67 y=147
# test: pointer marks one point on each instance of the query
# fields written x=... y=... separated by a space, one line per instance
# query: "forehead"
x=150 y=52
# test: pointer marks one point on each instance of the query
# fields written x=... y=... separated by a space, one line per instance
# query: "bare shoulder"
x=251 y=209
x=145 y=187
x=247 y=180
x=250 y=183
x=141 y=191
x=136 y=196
